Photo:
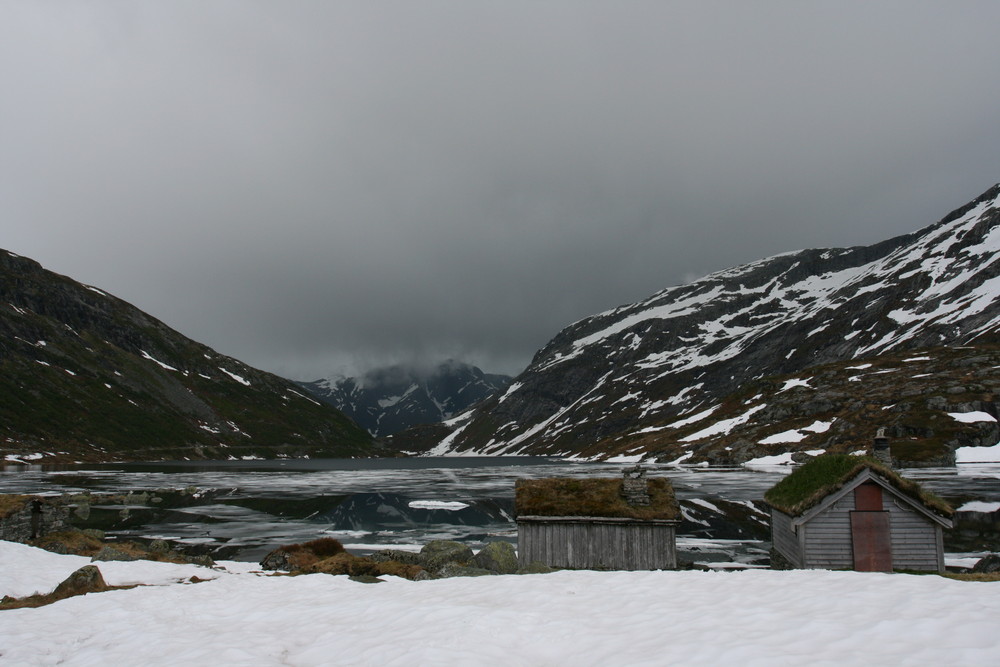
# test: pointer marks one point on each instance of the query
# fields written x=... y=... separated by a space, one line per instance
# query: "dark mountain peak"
x=389 y=399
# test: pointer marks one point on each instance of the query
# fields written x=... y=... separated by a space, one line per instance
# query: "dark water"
x=243 y=509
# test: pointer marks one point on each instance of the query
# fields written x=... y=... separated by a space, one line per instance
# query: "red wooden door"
x=870 y=535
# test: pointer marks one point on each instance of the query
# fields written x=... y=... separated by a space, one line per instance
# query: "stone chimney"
x=880 y=448
x=634 y=487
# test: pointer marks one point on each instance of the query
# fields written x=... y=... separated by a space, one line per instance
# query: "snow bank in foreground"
x=27 y=570
x=580 y=618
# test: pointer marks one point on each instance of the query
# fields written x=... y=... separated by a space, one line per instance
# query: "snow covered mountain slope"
x=387 y=400
x=684 y=350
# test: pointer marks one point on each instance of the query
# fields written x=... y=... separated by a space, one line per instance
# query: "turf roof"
x=810 y=484
x=597 y=497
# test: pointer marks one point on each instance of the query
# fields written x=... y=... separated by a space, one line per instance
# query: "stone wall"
x=37 y=516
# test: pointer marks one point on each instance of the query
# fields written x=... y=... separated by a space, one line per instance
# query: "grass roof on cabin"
x=808 y=485
x=601 y=497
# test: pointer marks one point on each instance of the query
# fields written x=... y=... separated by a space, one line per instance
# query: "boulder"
x=87 y=579
x=535 y=567
x=111 y=553
x=456 y=570
x=987 y=564
x=279 y=559
x=497 y=557
x=398 y=555
x=159 y=546
x=435 y=555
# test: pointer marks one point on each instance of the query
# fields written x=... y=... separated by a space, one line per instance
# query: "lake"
x=243 y=509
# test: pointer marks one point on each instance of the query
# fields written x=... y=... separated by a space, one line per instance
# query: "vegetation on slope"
x=87 y=377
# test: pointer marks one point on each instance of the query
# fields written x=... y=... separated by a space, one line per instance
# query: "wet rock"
x=497 y=557
x=366 y=579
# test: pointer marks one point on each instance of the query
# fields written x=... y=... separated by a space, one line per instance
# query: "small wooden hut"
x=597 y=524
x=850 y=512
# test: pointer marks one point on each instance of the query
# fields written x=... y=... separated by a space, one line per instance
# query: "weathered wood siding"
x=827 y=537
x=916 y=541
x=784 y=539
x=599 y=544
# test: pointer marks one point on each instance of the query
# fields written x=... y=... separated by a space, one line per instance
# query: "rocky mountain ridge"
x=385 y=401
x=85 y=376
x=647 y=367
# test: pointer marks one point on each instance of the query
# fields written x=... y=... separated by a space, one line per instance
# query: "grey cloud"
x=310 y=186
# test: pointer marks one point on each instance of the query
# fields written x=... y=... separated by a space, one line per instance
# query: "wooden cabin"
x=626 y=523
x=850 y=512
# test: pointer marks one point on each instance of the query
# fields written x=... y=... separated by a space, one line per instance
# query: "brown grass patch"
x=70 y=542
x=601 y=497
x=973 y=576
x=11 y=503
x=307 y=554
x=349 y=564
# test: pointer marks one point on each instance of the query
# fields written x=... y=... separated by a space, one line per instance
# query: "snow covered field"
x=568 y=618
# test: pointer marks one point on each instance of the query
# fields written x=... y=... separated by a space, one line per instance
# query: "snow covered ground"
x=242 y=617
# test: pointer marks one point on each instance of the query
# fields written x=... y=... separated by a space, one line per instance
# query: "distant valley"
x=388 y=400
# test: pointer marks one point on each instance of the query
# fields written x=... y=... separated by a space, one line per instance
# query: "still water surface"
x=245 y=508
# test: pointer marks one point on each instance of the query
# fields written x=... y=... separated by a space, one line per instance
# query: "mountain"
x=387 y=400
x=642 y=380
x=85 y=376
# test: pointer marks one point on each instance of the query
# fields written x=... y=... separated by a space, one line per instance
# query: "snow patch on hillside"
x=972 y=417
x=723 y=427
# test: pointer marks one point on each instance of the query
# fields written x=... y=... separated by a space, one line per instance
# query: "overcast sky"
x=316 y=187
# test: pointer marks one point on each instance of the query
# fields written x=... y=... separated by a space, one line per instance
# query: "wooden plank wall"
x=784 y=539
x=597 y=546
x=827 y=538
x=915 y=544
